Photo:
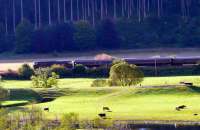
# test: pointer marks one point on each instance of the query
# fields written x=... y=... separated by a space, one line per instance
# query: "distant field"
x=13 y=66
x=76 y=95
x=14 y=61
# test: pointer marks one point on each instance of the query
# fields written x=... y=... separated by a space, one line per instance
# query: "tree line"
x=41 y=26
x=107 y=34
x=48 y=12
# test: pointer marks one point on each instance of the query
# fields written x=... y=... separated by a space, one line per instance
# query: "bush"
x=25 y=71
x=98 y=72
x=70 y=121
x=99 y=83
x=3 y=93
x=44 y=78
x=172 y=71
x=79 y=70
x=62 y=71
x=124 y=74
x=10 y=75
x=101 y=123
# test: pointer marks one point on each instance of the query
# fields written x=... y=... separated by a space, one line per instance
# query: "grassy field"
x=134 y=103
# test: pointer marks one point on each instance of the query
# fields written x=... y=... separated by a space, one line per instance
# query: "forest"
x=61 y=25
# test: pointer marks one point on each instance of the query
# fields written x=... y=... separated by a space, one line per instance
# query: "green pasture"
x=76 y=95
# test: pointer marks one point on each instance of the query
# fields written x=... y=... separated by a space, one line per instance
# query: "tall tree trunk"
x=77 y=9
x=58 y=7
x=148 y=5
x=115 y=9
x=39 y=11
x=158 y=8
x=106 y=8
x=188 y=8
x=6 y=19
x=128 y=8
x=22 y=10
x=139 y=10
x=131 y=7
x=85 y=9
x=122 y=8
x=49 y=10
x=183 y=8
x=14 y=20
x=82 y=6
x=88 y=7
x=144 y=8
x=64 y=11
x=71 y=7
x=102 y=9
x=35 y=13
x=93 y=12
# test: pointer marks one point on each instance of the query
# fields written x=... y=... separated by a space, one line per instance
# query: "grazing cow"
x=102 y=115
x=180 y=107
x=177 y=109
x=46 y=109
x=106 y=109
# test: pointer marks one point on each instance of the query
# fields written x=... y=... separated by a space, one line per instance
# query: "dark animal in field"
x=102 y=115
x=177 y=109
x=195 y=114
x=46 y=109
x=180 y=107
x=106 y=109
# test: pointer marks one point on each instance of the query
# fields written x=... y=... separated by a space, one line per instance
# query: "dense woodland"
x=63 y=25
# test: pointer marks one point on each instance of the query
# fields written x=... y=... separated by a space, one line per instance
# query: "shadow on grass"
x=194 y=88
x=18 y=108
x=24 y=94
x=15 y=105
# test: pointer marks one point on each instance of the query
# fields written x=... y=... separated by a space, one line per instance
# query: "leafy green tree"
x=61 y=70
x=124 y=74
x=54 y=38
x=25 y=71
x=24 y=33
x=84 y=36
x=44 y=78
x=107 y=35
x=79 y=69
x=39 y=42
x=64 y=34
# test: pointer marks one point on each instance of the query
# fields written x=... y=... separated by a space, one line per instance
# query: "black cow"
x=180 y=107
x=102 y=115
x=46 y=109
x=106 y=109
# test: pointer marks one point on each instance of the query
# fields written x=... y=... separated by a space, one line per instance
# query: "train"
x=142 y=62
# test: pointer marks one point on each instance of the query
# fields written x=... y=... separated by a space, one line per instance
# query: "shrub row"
x=81 y=71
x=100 y=72
x=172 y=71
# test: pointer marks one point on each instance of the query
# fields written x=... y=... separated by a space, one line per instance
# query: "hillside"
x=76 y=95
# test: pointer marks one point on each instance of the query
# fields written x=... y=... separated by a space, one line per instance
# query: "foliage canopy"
x=124 y=74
